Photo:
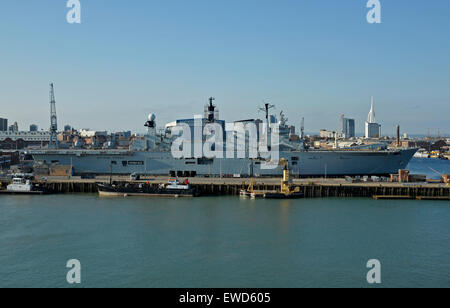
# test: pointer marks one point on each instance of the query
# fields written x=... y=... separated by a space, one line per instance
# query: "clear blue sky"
x=315 y=59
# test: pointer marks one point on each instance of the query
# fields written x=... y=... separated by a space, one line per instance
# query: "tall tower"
x=371 y=116
x=302 y=129
x=373 y=129
x=53 y=120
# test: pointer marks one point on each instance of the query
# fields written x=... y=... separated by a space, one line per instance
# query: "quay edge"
x=310 y=189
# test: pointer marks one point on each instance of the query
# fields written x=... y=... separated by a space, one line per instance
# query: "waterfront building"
x=67 y=136
x=14 y=127
x=3 y=125
x=93 y=139
x=347 y=127
x=85 y=133
x=5 y=161
x=25 y=136
x=121 y=139
x=20 y=140
x=326 y=134
x=373 y=129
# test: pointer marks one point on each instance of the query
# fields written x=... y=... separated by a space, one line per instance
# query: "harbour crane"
x=53 y=120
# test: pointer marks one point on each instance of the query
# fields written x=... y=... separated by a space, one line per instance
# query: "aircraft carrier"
x=304 y=163
x=151 y=155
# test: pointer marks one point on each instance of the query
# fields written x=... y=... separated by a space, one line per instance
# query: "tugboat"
x=22 y=184
x=173 y=188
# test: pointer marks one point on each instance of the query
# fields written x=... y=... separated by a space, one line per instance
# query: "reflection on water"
x=285 y=207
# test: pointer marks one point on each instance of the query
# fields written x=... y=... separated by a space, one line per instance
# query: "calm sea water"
x=222 y=242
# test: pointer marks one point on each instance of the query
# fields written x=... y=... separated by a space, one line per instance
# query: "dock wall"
x=343 y=191
x=310 y=190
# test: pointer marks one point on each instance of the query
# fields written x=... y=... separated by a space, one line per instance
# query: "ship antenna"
x=210 y=110
x=266 y=108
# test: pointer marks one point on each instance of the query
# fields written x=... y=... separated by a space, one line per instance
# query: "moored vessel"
x=23 y=185
x=152 y=154
x=287 y=191
x=173 y=188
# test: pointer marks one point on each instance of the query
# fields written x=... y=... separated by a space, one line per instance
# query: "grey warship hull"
x=302 y=163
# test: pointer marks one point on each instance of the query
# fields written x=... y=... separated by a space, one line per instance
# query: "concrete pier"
x=311 y=188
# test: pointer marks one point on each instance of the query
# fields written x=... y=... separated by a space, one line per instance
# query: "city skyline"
x=339 y=128
x=114 y=68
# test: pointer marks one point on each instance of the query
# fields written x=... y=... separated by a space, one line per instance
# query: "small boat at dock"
x=287 y=191
x=22 y=185
x=250 y=192
x=173 y=189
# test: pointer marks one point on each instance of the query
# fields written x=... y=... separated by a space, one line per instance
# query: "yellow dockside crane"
x=286 y=183
x=287 y=190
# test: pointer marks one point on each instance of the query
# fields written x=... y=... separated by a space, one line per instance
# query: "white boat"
x=20 y=185
x=175 y=185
